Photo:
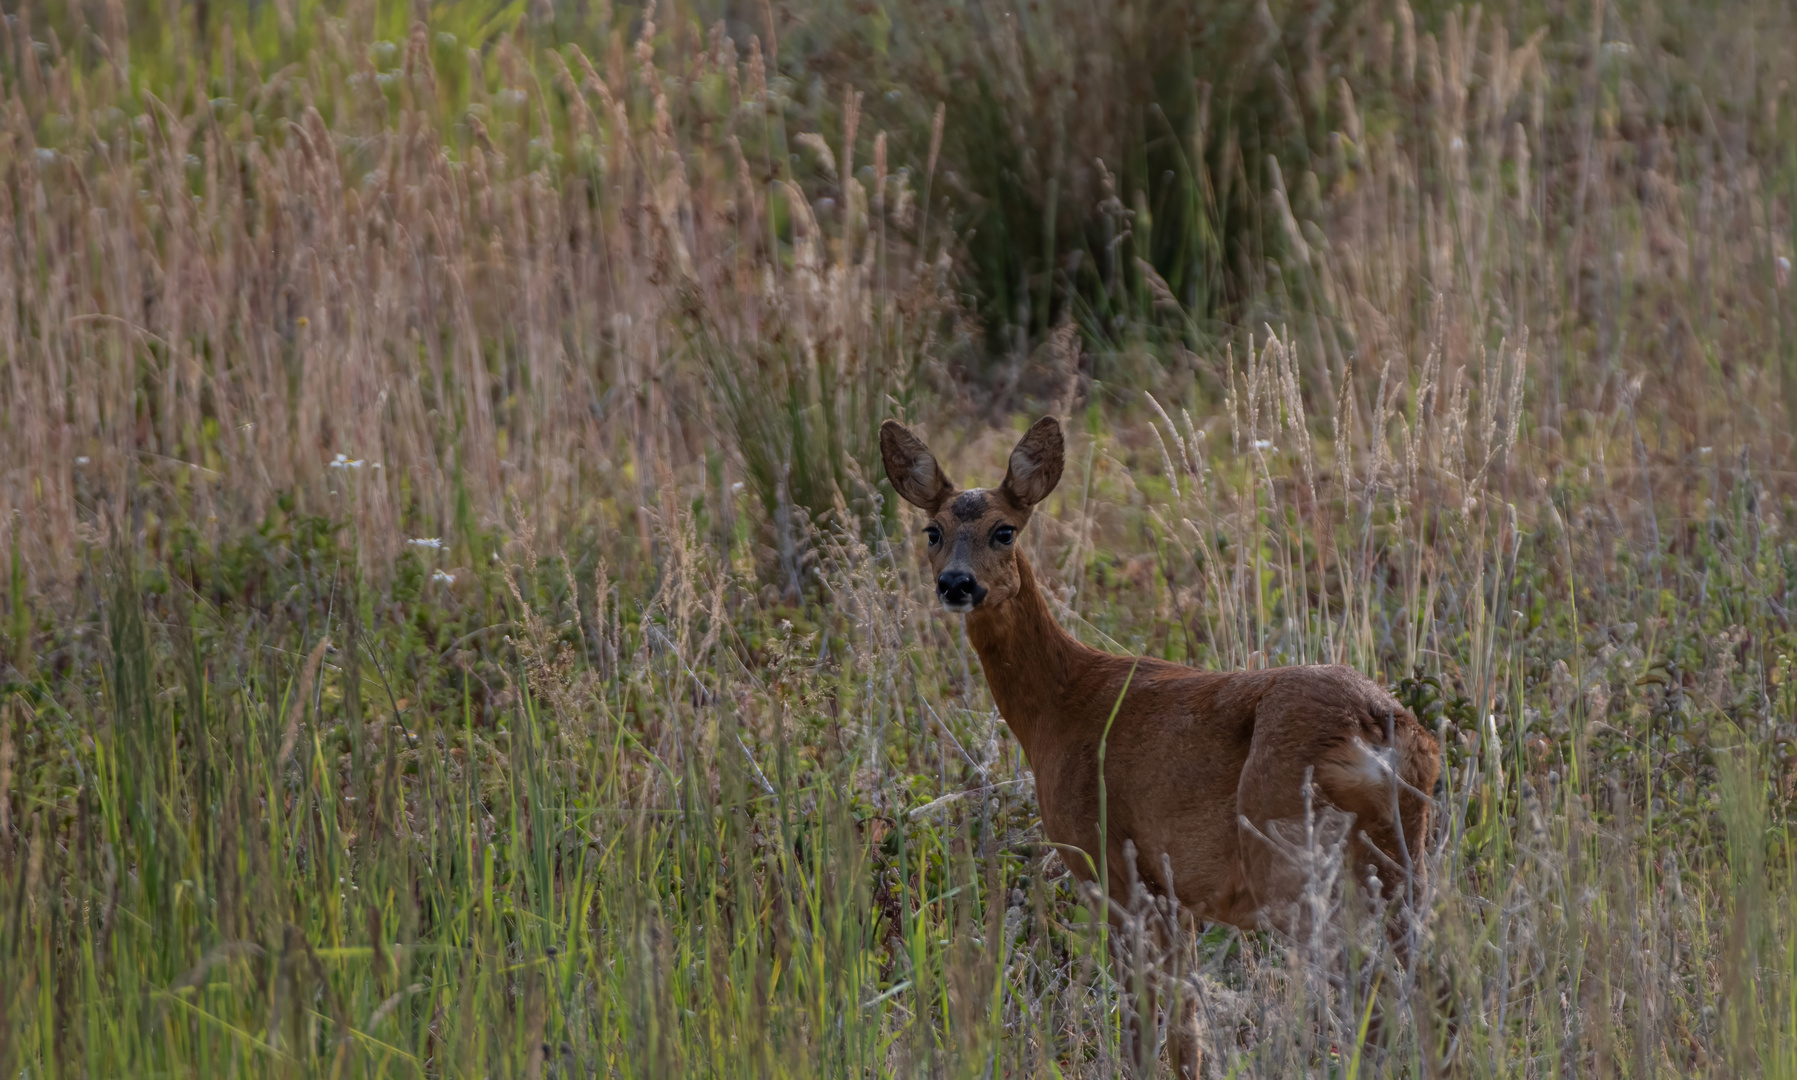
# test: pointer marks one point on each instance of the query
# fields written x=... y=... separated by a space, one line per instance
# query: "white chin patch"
x=959 y=607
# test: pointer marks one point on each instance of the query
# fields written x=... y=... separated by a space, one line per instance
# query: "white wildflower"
x=444 y=576
x=433 y=542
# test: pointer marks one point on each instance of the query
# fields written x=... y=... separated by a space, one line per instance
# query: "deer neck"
x=1027 y=657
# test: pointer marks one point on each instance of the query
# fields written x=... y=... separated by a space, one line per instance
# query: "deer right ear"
x=1035 y=465
x=912 y=468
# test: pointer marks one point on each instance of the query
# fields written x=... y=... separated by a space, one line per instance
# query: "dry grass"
x=474 y=282
x=585 y=715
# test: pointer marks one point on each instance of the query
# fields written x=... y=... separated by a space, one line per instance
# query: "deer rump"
x=1205 y=783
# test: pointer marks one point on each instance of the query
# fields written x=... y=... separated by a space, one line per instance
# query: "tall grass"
x=462 y=266
x=586 y=714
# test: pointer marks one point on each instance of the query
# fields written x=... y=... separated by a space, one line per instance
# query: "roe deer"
x=1198 y=765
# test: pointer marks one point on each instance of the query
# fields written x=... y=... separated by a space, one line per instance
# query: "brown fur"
x=1201 y=767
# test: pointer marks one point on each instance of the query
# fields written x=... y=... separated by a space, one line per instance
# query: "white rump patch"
x=1374 y=766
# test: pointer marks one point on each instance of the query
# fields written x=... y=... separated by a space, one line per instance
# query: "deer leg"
x=1136 y=977
x=1146 y=950
x=1175 y=932
x=1145 y=1020
x=1184 y=1046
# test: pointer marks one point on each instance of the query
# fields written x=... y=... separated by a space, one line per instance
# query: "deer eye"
x=1004 y=534
x=934 y=534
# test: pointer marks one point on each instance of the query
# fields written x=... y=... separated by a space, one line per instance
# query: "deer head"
x=973 y=534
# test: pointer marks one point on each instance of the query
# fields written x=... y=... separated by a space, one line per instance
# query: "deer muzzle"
x=958 y=591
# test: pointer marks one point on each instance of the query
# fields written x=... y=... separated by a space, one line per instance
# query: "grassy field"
x=456 y=624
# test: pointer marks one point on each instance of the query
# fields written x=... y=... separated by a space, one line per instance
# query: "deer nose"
x=955 y=586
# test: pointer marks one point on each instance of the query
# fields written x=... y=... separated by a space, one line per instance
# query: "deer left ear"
x=1035 y=465
x=912 y=468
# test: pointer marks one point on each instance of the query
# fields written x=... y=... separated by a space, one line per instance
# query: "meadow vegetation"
x=455 y=623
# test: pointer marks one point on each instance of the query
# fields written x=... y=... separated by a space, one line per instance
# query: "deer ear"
x=912 y=468
x=1035 y=465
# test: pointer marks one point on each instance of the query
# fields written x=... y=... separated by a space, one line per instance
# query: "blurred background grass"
x=456 y=624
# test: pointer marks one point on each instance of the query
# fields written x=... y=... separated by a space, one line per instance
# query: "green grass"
x=680 y=833
x=589 y=715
